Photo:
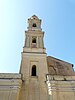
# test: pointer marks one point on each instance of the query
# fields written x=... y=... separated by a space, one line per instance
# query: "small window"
x=34 y=40
x=34 y=70
x=34 y=25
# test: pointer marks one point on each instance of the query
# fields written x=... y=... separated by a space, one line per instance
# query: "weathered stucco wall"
x=61 y=87
x=59 y=67
x=10 y=85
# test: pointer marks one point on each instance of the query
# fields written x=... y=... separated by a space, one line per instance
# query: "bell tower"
x=34 y=63
x=34 y=36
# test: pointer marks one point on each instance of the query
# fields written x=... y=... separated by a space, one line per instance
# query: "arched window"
x=34 y=25
x=34 y=70
x=34 y=40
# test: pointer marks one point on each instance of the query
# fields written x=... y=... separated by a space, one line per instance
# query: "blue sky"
x=58 y=23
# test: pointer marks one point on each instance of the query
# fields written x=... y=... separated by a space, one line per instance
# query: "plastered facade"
x=61 y=87
x=10 y=85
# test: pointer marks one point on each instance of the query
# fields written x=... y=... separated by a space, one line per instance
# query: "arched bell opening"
x=34 y=40
x=34 y=25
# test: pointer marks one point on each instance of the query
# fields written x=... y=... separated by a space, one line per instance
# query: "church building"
x=41 y=77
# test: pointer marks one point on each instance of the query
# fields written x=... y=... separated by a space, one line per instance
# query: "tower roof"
x=34 y=17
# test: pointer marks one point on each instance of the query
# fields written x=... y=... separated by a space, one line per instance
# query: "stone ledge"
x=10 y=76
x=60 y=78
